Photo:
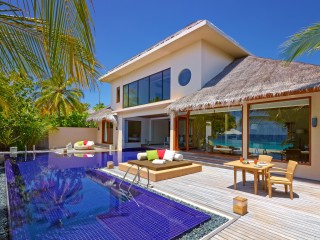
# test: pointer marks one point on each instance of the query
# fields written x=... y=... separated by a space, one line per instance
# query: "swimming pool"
x=65 y=197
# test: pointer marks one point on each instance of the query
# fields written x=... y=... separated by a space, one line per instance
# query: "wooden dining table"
x=237 y=165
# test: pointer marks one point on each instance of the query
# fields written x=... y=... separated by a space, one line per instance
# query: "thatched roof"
x=103 y=114
x=249 y=78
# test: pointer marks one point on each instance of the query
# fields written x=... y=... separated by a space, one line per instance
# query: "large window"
x=134 y=131
x=215 y=131
x=156 y=87
x=150 y=89
x=133 y=94
x=143 y=91
x=126 y=96
x=280 y=129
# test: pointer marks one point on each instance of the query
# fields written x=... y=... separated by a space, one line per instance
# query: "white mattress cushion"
x=169 y=155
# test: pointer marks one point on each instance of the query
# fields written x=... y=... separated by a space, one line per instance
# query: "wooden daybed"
x=158 y=172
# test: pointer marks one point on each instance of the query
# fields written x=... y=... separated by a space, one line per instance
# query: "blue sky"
x=124 y=28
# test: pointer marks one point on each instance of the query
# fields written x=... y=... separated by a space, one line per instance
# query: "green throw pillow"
x=152 y=155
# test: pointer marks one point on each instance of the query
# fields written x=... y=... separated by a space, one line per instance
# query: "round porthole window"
x=184 y=77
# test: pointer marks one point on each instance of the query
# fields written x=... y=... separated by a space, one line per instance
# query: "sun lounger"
x=158 y=172
x=84 y=145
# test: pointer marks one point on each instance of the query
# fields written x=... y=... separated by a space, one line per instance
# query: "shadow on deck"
x=209 y=158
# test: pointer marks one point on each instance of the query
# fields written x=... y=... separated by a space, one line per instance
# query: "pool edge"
x=8 y=203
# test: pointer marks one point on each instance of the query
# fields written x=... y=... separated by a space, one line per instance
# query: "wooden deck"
x=275 y=218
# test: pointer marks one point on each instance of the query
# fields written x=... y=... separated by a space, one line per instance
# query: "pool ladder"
x=137 y=175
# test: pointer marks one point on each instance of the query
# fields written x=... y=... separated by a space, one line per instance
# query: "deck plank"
x=278 y=217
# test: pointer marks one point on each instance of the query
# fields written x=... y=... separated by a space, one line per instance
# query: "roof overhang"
x=201 y=30
x=161 y=104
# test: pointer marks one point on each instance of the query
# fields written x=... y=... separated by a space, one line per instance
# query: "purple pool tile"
x=79 y=202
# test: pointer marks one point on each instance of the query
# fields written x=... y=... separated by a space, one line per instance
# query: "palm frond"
x=21 y=46
x=306 y=41
x=42 y=35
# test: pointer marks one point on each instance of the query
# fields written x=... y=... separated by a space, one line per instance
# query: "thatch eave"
x=103 y=114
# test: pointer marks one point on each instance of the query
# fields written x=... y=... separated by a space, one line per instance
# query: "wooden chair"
x=286 y=180
x=262 y=158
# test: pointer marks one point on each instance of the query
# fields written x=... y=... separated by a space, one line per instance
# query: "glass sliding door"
x=280 y=129
x=181 y=133
x=216 y=130
x=107 y=132
x=134 y=131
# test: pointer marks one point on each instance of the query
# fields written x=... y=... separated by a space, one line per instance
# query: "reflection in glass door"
x=107 y=132
x=182 y=133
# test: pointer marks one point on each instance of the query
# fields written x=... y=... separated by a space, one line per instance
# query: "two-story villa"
x=200 y=91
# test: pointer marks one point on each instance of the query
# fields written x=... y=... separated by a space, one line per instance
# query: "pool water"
x=65 y=197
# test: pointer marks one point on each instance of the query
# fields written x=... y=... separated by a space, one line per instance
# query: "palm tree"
x=40 y=35
x=305 y=41
x=59 y=95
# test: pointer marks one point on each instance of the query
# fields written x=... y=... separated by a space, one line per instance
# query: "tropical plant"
x=22 y=125
x=6 y=96
x=58 y=95
x=75 y=119
x=38 y=36
x=306 y=41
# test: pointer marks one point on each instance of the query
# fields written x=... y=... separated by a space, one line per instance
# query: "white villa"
x=200 y=91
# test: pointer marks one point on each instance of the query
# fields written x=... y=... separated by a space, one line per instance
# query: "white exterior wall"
x=99 y=133
x=213 y=62
x=65 y=135
x=204 y=61
x=190 y=57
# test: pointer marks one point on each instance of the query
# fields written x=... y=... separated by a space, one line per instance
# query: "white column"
x=245 y=137
x=172 y=133
x=120 y=133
